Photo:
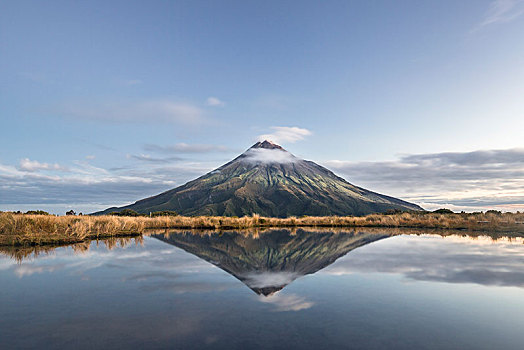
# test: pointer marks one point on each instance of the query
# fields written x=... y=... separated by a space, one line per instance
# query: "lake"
x=275 y=289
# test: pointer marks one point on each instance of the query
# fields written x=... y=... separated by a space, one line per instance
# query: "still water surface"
x=274 y=290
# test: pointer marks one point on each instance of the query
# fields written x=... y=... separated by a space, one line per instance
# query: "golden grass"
x=20 y=229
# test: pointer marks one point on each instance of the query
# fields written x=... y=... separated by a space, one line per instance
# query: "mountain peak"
x=267 y=145
x=269 y=181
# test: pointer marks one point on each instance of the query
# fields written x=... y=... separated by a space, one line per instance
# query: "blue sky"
x=106 y=102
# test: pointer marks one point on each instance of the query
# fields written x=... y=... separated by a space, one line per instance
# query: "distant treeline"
x=125 y=212
x=29 y=212
x=132 y=213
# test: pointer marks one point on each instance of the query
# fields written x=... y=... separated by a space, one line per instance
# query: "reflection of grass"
x=21 y=253
x=19 y=229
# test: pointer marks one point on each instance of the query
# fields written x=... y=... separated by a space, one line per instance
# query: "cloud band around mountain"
x=480 y=180
x=462 y=180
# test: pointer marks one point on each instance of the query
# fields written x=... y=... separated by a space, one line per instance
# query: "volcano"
x=269 y=181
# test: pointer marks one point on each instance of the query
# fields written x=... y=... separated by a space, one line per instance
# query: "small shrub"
x=126 y=212
x=443 y=211
x=36 y=212
x=164 y=213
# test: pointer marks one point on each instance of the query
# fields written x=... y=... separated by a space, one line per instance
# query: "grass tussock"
x=23 y=229
x=20 y=229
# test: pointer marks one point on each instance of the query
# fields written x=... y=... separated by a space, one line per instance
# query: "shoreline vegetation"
x=17 y=229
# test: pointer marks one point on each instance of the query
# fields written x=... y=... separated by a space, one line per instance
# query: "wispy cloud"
x=215 y=102
x=32 y=165
x=501 y=11
x=470 y=180
x=145 y=111
x=186 y=148
x=283 y=134
x=85 y=185
x=149 y=158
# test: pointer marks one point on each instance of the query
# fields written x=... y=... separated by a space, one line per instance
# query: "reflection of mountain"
x=272 y=260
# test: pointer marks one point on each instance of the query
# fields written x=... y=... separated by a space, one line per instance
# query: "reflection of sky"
x=156 y=266
x=452 y=259
x=286 y=302
x=159 y=296
x=269 y=279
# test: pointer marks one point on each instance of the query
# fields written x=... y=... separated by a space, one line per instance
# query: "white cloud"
x=84 y=186
x=470 y=181
x=33 y=165
x=90 y=157
x=215 y=102
x=265 y=155
x=283 y=134
x=501 y=11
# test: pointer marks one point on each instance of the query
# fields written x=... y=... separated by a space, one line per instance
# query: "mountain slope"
x=268 y=180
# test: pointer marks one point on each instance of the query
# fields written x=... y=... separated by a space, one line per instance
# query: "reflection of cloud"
x=289 y=302
x=432 y=258
x=155 y=259
x=182 y=287
x=150 y=270
x=487 y=240
x=152 y=275
x=30 y=269
x=265 y=155
x=177 y=281
x=269 y=279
